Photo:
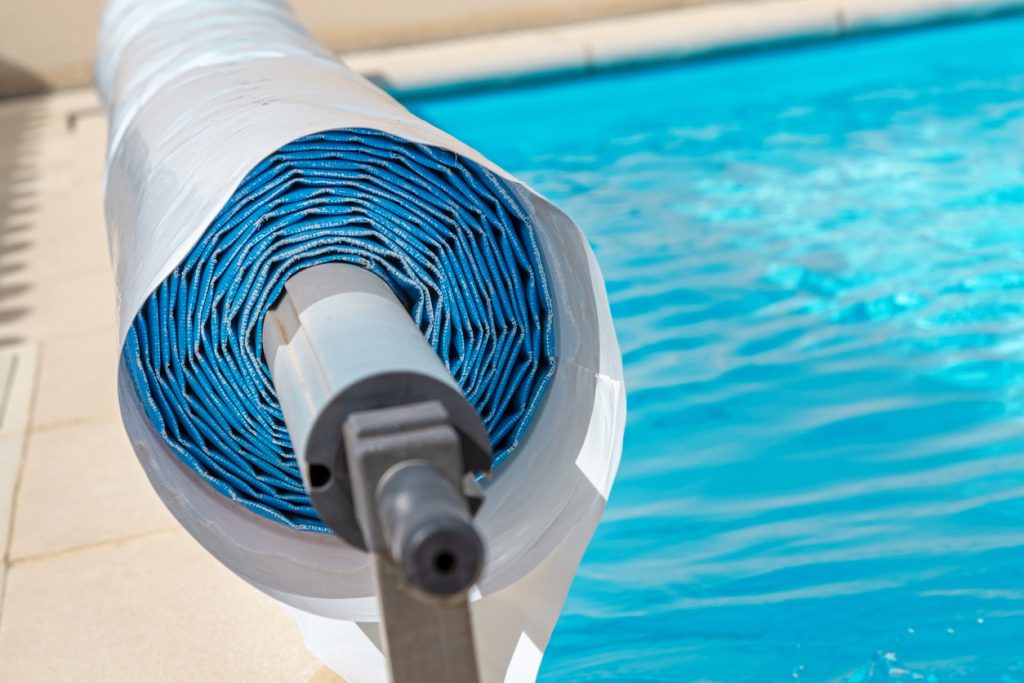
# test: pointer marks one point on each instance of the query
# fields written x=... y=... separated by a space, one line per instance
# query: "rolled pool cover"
x=241 y=152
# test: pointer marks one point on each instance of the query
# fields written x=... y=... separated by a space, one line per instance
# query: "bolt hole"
x=444 y=562
x=319 y=476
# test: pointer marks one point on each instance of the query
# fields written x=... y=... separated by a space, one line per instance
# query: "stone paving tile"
x=157 y=608
x=77 y=382
x=82 y=485
x=72 y=304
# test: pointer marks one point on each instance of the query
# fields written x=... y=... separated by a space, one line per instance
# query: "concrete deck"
x=101 y=583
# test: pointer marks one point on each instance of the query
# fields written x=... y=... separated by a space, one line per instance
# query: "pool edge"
x=667 y=35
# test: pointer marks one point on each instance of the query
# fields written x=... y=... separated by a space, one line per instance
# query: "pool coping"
x=660 y=36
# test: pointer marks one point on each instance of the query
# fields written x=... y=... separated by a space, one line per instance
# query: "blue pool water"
x=815 y=258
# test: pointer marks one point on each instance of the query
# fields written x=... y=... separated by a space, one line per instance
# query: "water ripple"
x=815 y=260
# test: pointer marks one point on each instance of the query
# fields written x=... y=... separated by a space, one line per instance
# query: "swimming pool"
x=815 y=258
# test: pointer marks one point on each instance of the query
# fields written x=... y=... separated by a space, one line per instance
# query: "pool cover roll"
x=240 y=152
x=447 y=236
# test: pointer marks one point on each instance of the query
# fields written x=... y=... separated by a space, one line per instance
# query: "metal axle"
x=388 y=447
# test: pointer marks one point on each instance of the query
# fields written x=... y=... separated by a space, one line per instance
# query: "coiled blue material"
x=448 y=237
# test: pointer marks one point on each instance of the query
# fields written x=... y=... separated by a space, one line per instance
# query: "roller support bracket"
x=407 y=475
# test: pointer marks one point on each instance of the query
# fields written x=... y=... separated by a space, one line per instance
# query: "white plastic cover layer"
x=198 y=92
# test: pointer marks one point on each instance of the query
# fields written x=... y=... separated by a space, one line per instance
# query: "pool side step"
x=17 y=380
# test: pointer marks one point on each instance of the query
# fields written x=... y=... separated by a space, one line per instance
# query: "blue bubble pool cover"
x=448 y=237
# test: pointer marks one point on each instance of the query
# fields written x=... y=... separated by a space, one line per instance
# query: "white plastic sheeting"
x=198 y=92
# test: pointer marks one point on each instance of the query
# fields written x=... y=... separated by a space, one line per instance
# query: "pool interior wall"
x=815 y=258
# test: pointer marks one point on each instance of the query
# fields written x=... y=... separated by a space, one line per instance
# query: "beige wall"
x=51 y=43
